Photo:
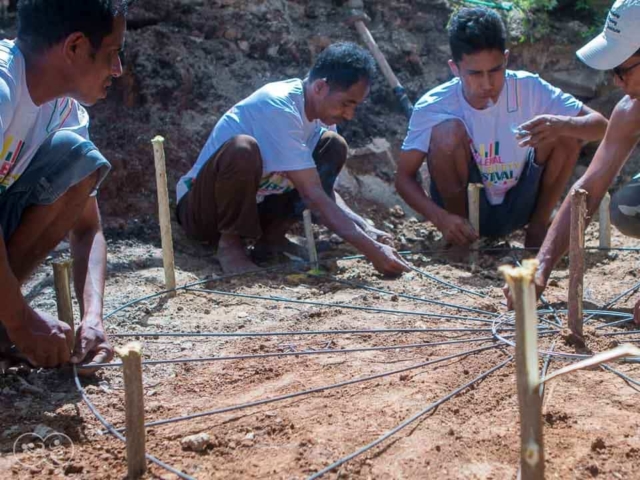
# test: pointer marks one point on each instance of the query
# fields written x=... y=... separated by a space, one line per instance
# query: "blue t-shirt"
x=493 y=141
x=274 y=116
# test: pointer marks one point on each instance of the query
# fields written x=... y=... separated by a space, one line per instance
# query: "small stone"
x=598 y=444
x=72 y=468
x=243 y=315
x=244 y=46
x=196 y=443
x=250 y=436
x=396 y=212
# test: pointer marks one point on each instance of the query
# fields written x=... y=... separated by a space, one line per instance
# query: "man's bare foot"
x=232 y=256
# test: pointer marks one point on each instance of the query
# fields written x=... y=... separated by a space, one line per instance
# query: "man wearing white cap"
x=617 y=48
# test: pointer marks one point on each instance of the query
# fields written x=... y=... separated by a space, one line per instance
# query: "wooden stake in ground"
x=311 y=242
x=576 y=264
x=131 y=355
x=605 y=222
x=165 y=215
x=62 y=285
x=473 y=201
x=522 y=288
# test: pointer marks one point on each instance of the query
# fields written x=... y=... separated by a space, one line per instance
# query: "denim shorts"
x=63 y=160
x=518 y=205
x=625 y=208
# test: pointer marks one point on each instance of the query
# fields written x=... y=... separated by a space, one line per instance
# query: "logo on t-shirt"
x=493 y=170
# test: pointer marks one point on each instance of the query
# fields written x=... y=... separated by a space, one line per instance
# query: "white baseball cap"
x=619 y=40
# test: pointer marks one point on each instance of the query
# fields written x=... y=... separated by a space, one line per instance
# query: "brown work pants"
x=222 y=199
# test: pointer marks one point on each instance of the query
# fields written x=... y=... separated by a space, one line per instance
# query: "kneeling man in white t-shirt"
x=509 y=130
x=276 y=153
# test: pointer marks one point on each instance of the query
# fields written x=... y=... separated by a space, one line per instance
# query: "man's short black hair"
x=44 y=23
x=343 y=65
x=473 y=30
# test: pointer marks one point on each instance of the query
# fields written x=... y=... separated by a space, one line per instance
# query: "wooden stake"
x=522 y=288
x=62 y=285
x=605 y=222
x=311 y=242
x=473 y=201
x=576 y=264
x=131 y=355
x=165 y=215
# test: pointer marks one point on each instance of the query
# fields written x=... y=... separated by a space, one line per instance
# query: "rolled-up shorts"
x=63 y=160
x=518 y=205
x=625 y=208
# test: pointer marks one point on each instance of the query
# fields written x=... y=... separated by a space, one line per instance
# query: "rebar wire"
x=303 y=332
x=450 y=285
x=612 y=302
x=545 y=368
x=302 y=353
x=118 y=435
x=314 y=390
x=572 y=356
x=409 y=421
x=341 y=305
x=616 y=334
x=195 y=284
x=623 y=376
x=410 y=297
x=616 y=323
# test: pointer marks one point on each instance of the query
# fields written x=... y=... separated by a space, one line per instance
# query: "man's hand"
x=540 y=130
x=538 y=280
x=43 y=339
x=379 y=236
x=387 y=260
x=92 y=345
x=457 y=230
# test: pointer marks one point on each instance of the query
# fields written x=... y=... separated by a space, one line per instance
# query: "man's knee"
x=565 y=150
x=242 y=156
x=447 y=136
x=625 y=209
x=332 y=147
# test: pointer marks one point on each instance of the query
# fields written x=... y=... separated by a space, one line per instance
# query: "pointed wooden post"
x=165 y=214
x=604 y=216
x=522 y=288
x=62 y=285
x=131 y=355
x=576 y=264
x=473 y=203
x=311 y=242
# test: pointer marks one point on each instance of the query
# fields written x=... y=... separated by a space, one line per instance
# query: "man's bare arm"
x=587 y=126
x=89 y=251
x=621 y=137
x=456 y=229
x=308 y=184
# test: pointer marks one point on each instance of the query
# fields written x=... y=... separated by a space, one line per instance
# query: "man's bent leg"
x=278 y=213
x=42 y=206
x=221 y=206
x=625 y=208
x=448 y=161
x=558 y=161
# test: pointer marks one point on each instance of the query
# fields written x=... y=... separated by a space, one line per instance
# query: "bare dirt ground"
x=592 y=418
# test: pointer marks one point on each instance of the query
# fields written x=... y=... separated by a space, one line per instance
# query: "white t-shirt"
x=274 y=116
x=493 y=141
x=23 y=125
